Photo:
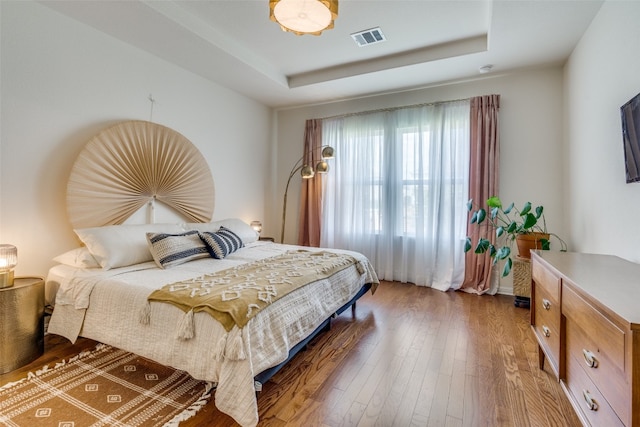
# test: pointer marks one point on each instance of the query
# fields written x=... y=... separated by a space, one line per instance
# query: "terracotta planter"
x=529 y=241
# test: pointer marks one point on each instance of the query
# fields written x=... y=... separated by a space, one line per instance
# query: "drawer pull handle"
x=591 y=402
x=590 y=358
x=546 y=331
x=546 y=304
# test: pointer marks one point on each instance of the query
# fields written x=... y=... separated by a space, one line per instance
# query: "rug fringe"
x=13 y=384
x=193 y=408
x=47 y=368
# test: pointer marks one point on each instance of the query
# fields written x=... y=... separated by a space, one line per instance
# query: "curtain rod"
x=393 y=108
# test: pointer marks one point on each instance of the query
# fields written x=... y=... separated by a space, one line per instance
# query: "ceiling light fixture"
x=304 y=16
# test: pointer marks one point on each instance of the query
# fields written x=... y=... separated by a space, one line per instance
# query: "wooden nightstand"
x=266 y=239
x=21 y=323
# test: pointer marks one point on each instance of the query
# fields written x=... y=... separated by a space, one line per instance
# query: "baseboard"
x=505 y=290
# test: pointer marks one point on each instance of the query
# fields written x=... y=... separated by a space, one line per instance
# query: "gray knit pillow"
x=173 y=249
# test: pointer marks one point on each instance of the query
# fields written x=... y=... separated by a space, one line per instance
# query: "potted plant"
x=526 y=226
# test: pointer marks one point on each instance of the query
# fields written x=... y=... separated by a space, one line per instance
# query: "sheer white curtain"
x=398 y=189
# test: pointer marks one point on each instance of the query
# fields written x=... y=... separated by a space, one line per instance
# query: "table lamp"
x=257 y=226
x=8 y=261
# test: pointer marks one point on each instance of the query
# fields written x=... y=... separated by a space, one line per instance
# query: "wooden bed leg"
x=353 y=310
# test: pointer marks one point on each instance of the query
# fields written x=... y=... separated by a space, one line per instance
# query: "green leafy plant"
x=508 y=222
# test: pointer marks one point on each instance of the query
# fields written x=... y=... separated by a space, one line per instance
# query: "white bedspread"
x=105 y=306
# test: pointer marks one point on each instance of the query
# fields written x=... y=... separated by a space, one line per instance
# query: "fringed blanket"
x=236 y=295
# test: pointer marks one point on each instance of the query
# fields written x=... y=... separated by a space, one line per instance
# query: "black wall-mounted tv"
x=630 y=113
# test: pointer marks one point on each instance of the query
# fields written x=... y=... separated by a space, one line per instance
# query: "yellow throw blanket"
x=235 y=295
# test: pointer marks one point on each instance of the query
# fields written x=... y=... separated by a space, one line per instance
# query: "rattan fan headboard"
x=134 y=163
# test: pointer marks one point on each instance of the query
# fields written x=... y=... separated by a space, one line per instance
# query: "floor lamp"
x=306 y=172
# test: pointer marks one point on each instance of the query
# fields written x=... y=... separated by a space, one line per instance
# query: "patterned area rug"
x=103 y=387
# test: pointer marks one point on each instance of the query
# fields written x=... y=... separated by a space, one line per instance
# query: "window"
x=398 y=190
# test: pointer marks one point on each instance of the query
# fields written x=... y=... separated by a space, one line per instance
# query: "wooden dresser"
x=585 y=313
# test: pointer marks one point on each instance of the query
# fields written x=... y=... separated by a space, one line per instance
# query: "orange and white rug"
x=103 y=387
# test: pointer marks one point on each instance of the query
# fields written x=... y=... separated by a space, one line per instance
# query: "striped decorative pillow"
x=222 y=242
x=173 y=249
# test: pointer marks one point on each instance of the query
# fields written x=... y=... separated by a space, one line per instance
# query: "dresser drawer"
x=601 y=371
x=547 y=280
x=588 y=398
x=600 y=346
x=609 y=338
x=546 y=324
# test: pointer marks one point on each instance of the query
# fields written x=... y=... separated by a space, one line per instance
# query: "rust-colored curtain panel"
x=483 y=183
x=311 y=189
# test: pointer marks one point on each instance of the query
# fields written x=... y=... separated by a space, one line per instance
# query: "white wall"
x=63 y=82
x=602 y=74
x=530 y=128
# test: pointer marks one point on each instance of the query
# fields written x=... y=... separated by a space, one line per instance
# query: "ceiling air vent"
x=367 y=37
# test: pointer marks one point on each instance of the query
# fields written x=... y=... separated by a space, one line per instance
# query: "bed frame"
x=266 y=375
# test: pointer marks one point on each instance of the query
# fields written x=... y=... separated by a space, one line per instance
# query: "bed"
x=117 y=288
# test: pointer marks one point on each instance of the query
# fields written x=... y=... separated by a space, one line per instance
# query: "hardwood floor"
x=412 y=356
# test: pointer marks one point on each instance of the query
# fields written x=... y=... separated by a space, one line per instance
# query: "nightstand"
x=21 y=323
x=266 y=239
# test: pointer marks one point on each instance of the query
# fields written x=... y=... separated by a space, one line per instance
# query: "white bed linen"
x=105 y=306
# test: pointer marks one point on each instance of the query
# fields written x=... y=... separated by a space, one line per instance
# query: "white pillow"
x=120 y=245
x=79 y=257
x=239 y=227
